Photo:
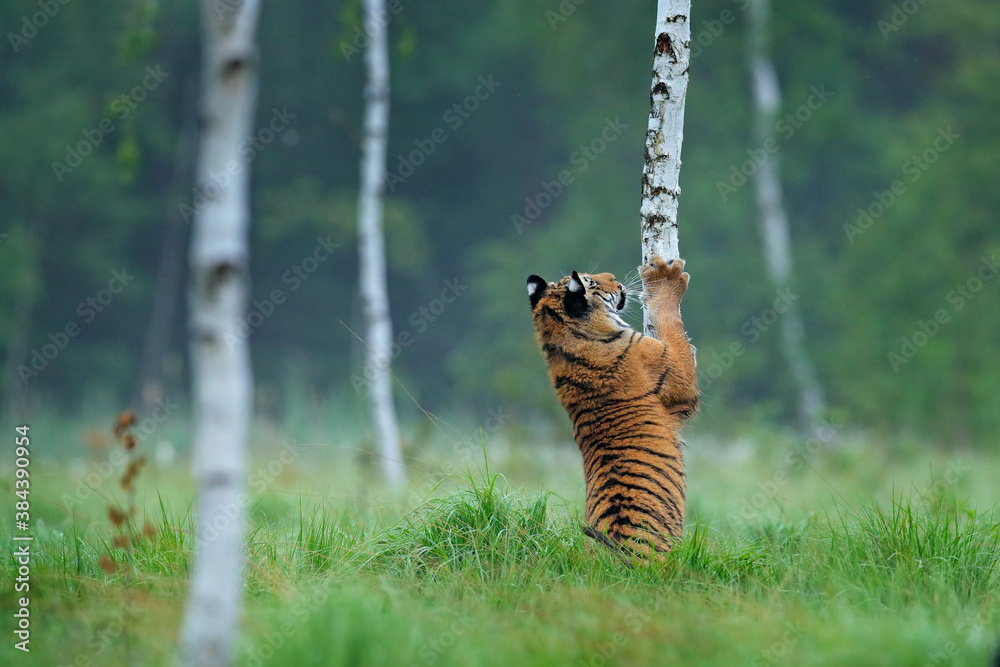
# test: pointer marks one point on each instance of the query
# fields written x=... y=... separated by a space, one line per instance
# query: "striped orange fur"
x=628 y=396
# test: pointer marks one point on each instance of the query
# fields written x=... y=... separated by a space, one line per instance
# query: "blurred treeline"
x=550 y=77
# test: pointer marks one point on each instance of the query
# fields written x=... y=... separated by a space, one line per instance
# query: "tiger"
x=628 y=396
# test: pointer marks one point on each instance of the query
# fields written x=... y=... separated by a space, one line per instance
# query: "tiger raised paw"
x=664 y=281
x=628 y=396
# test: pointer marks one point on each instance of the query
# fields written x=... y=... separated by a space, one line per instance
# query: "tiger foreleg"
x=664 y=284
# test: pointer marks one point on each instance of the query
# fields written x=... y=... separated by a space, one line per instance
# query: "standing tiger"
x=628 y=396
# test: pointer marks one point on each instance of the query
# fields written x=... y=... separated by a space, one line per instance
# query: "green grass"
x=856 y=557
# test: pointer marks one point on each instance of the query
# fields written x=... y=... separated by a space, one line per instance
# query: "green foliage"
x=486 y=530
x=562 y=76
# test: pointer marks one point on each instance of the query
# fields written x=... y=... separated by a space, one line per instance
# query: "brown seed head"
x=108 y=565
x=116 y=516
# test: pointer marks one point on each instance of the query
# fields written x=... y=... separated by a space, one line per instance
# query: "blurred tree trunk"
x=15 y=393
x=774 y=228
x=169 y=277
x=662 y=163
x=371 y=244
x=220 y=363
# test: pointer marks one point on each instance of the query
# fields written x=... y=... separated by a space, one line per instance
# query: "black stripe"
x=640 y=448
x=676 y=491
x=668 y=497
x=663 y=378
x=617 y=509
x=590 y=461
x=657 y=522
x=608 y=453
x=609 y=480
x=601 y=538
x=685 y=407
x=582 y=334
x=599 y=397
x=547 y=310
x=552 y=350
x=622 y=520
x=611 y=401
x=634 y=432
x=668 y=466
x=563 y=380
x=585 y=449
x=618 y=359
x=617 y=411
x=604 y=423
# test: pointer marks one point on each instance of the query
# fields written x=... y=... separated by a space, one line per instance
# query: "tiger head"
x=592 y=301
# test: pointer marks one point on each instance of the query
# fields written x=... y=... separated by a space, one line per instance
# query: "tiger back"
x=628 y=396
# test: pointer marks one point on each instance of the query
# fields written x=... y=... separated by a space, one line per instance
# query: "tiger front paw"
x=664 y=278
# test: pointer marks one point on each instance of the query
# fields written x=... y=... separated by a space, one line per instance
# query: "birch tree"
x=371 y=246
x=774 y=228
x=219 y=263
x=665 y=133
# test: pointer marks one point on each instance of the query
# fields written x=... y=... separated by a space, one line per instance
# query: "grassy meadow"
x=840 y=550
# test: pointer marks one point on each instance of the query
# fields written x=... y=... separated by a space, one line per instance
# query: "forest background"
x=515 y=147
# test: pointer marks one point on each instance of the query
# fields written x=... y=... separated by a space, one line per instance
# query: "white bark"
x=220 y=367
x=371 y=246
x=774 y=226
x=662 y=165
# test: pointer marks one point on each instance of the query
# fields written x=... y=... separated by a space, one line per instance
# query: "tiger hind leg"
x=623 y=551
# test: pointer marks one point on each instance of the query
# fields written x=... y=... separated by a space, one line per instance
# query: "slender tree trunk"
x=219 y=266
x=774 y=228
x=374 y=293
x=15 y=394
x=169 y=278
x=662 y=164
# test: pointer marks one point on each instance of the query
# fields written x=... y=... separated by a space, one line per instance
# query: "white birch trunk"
x=774 y=227
x=220 y=367
x=371 y=246
x=662 y=164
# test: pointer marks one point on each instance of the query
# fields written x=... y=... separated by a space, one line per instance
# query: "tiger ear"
x=575 y=300
x=536 y=289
